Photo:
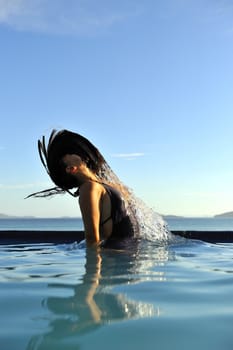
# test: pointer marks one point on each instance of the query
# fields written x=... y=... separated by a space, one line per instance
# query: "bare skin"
x=94 y=201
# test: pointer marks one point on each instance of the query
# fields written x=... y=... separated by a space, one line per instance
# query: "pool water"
x=169 y=296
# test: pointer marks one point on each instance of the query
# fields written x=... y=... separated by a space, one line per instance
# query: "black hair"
x=67 y=142
x=59 y=144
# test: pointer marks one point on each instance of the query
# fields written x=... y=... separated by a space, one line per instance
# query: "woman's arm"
x=89 y=201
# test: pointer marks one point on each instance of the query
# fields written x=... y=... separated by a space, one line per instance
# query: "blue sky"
x=150 y=83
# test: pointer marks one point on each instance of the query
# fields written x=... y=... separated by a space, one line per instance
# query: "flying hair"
x=65 y=142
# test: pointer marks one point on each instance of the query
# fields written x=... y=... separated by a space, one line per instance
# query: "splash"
x=150 y=225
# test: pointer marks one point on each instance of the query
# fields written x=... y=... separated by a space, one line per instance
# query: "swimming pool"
x=168 y=296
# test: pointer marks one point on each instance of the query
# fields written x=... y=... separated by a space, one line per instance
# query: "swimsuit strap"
x=106 y=220
x=108 y=189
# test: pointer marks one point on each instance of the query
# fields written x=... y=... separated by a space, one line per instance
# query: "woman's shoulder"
x=90 y=186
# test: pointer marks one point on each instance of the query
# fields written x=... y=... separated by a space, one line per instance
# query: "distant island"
x=6 y=216
x=228 y=214
x=172 y=217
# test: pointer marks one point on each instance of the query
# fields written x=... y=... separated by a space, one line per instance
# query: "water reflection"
x=100 y=298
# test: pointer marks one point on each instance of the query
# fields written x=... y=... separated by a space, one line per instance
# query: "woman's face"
x=73 y=163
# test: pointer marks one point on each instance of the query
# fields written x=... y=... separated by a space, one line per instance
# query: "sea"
x=168 y=295
x=73 y=224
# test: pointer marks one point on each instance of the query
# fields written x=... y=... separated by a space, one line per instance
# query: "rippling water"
x=166 y=296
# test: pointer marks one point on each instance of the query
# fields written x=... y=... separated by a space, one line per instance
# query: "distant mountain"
x=172 y=217
x=5 y=216
x=228 y=214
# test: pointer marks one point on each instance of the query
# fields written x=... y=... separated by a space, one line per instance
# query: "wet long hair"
x=51 y=154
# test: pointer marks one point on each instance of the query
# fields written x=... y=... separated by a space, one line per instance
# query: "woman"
x=74 y=162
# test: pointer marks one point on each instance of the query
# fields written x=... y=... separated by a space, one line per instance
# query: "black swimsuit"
x=123 y=224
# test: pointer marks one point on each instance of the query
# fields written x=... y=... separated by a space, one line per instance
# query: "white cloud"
x=218 y=13
x=63 y=16
x=25 y=186
x=9 y=8
x=128 y=156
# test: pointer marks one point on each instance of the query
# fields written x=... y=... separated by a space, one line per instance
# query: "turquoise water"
x=58 y=224
x=168 y=296
x=201 y=224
